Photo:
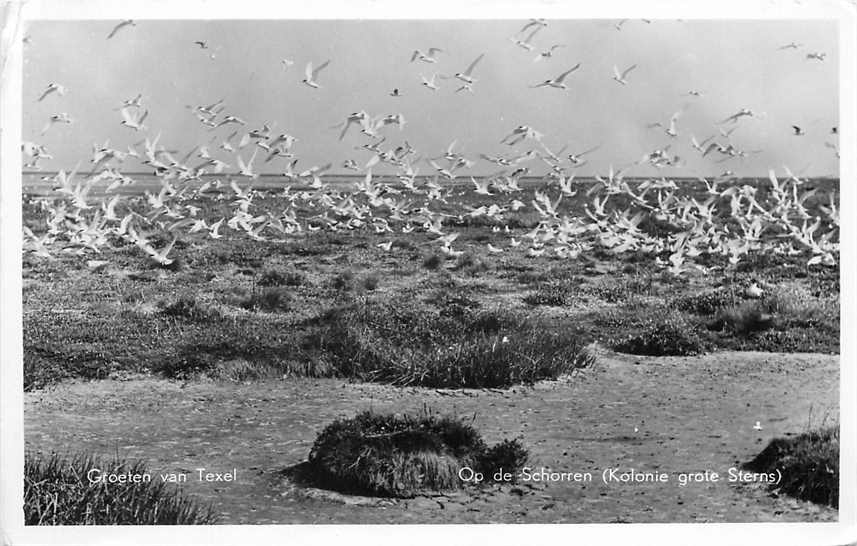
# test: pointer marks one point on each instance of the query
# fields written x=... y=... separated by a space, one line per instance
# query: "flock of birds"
x=731 y=220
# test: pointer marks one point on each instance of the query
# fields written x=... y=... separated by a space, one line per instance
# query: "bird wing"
x=533 y=33
x=126 y=116
x=473 y=65
x=566 y=73
x=308 y=71
x=627 y=70
x=320 y=68
x=415 y=54
x=433 y=50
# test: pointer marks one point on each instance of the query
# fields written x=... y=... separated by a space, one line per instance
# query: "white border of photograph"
x=14 y=17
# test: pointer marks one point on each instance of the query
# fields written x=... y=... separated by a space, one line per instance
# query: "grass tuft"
x=57 y=491
x=809 y=464
x=404 y=455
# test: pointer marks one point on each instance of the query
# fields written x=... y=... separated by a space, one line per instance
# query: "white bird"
x=620 y=77
x=50 y=89
x=757 y=426
x=120 y=26
x=429 y=57
x=790 y=45
x=135 y=120
x=525 y=43
x=558 y=82
x=159 y=256
x=312 y=74
x=287 y=63
x=816 y=56
x=466 y=75
x=57 y=118
x=429 y=83
x=548 y=53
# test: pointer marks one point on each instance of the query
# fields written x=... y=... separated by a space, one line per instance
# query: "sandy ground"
x=690 y=415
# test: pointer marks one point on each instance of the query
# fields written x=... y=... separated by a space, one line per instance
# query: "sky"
x=734 y=64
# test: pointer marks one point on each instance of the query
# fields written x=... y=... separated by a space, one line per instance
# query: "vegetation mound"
x=403 y=455
x=809 y=464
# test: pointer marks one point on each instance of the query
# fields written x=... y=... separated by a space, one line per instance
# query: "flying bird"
x=558 y=81
x=466 y=75
x=430 y=57
x=790 y=45
x=312 y=74
x=135 y=120
x=201 y=44
x=798 y=131
x=52 y=87
x=621 y=77
x=548 y=53
x=120 y=26
x=525 y=43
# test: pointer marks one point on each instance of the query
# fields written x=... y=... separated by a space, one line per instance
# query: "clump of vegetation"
x=402 y=345
x=277 y=277
x=433 y=261
x=707 y=302
x=670 y=335
x=470 y=264
x=58 y=492
x=370 y=282
x=189 y=308
x=404 y=455
x=555 y=294
x=809 y=464
x=743 y=319
x=271 y=299
x=343 y=281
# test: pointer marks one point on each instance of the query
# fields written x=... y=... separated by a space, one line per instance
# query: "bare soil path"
x=690 y=415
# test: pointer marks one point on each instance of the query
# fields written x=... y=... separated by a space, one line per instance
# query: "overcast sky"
x=734 y=64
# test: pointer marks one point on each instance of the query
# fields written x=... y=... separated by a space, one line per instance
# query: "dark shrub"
x=275 y=277
x=667 y=336
x=555 y=294
x=403 y=455
x=189 y=308
x=344 y=281
x=370 y=282
x=433 y=261
x=268 y=299
x=809 y=464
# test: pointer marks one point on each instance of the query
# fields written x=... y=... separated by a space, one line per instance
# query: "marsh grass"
x=58 y=492
x=809 y=464
x=404 y=455
x=401 y=345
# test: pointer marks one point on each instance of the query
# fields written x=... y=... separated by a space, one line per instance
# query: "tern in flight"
x=798 y=131
x=430 y=82
x=558 y=81
x=525 y=43
x=790 y=45
x=548 y=53
x=533 y=22
x=465 y=76
x=135 y=120
x=120 y=26
x=621 y=77
x=430 y=57
x=50 y=89
x=312 y=74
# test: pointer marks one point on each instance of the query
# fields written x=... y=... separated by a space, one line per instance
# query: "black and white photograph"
x=524 y=267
